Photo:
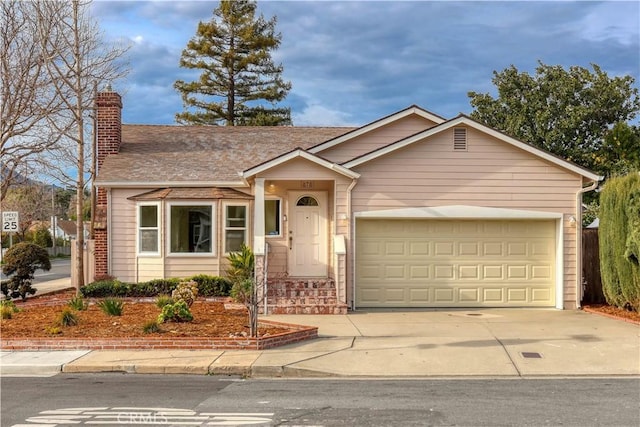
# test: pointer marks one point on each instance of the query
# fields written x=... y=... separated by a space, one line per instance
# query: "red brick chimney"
x=109 y=137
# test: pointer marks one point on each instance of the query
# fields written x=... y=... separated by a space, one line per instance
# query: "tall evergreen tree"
x=233 y=50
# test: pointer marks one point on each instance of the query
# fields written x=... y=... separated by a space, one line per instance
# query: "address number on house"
x=10 y=223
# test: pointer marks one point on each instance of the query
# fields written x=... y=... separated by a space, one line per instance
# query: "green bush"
x=106 y=288
x=212 y=286
x=42 y=237
x=208 y=286
x=111 y=306
x=7 y=308
x=163 y=300
x=186 y=291
x=68 y=318
x=151 y=327
x=619 y=236
x=20 y=263
x=77 y=303
x=176 y=312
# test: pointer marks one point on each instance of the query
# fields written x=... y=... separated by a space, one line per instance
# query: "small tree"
x=244 y=289
x=21 y=261
x=619 y=233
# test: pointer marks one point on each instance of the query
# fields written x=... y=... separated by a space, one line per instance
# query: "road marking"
x=143 y=416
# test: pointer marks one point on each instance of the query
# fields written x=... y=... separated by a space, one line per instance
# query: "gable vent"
x=460 y=139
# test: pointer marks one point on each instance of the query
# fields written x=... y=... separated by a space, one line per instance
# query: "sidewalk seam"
x=353 y=340
x=513 y=363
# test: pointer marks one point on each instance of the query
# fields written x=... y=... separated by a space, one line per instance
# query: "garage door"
x=447 y=263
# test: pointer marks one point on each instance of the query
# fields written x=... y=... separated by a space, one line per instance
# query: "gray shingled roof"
x=160 y=153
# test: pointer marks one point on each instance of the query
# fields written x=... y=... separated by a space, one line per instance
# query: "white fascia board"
x=148 y=184
x=375 y=125
x=456 y=212
x=462 y=120
x=299 y=154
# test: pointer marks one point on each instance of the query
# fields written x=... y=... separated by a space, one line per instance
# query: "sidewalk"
x=506 y=343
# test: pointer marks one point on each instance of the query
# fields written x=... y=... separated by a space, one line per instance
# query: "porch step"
x=303 y=296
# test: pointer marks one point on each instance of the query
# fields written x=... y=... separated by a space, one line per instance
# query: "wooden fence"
x=592 y=284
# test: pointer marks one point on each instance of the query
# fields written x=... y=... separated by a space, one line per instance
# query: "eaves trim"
x=482 y=128
x=375 y=125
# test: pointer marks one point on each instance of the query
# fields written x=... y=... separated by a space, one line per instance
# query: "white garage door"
x=455 y=263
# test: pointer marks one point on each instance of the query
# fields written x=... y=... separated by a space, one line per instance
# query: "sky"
x=353 y=62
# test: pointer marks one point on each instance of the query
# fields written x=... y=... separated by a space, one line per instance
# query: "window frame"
x=214 y=248
x=280 y=217
x=139 y=228
x=225 y=228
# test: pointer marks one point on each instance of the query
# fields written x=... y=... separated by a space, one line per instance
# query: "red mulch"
x=39 y=317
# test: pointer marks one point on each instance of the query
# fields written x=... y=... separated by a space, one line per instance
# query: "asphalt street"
x=60 y=268
x=121 y=399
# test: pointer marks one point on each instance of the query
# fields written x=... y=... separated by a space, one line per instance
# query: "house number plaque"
x=307 y=185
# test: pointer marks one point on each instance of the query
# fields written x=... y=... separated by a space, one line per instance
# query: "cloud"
x=353 y=62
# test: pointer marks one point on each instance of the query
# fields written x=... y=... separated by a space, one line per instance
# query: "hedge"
x=208 y=286
x=619 y=235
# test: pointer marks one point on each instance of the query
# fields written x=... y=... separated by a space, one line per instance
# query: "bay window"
x=190 y=228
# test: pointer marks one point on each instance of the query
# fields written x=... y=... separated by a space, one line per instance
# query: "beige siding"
x=122 y=235
x=179 y=266
x=490 y=173
x=150 y=268
x=376 y=139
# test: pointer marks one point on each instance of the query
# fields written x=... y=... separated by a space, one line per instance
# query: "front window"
x=148 y=230
x=272 y=217
x=190 y=229
x=235 y=227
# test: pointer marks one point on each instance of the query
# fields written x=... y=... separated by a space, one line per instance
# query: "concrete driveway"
x=488 y=342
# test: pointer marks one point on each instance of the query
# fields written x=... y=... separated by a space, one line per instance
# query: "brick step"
x=300 y=293
x=283 y=301
x=306 y=309
x=300 y=284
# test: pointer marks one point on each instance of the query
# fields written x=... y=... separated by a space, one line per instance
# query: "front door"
x=308 y=234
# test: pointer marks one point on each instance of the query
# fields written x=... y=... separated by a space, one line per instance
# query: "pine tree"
x=233 y=50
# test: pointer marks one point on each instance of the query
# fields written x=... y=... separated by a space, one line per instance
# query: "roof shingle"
x=162 y=153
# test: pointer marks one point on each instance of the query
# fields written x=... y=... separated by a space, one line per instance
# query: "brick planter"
x=296 y=333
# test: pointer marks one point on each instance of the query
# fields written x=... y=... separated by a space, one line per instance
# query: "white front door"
x=308 y=234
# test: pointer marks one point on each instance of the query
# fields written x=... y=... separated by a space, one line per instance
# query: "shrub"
x=106 y=288
x=163 y=300
x=176 y=312
x=186 y=291
x=7 y=308
x=77 y=303
x=153 y=288
x=151 y=327
x=212 y=286
x=21 y=261
x=111 y=306
x=241 y=274
x=68 y=318
x=619 y=235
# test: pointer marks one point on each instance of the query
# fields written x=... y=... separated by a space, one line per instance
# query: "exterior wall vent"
x=459 y=139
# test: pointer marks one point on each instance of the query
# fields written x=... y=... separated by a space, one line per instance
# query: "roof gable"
x=299 y=153
x=412 y=110
x=465 y=120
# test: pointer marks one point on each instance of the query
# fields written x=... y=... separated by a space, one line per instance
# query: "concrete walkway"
x=404 y=343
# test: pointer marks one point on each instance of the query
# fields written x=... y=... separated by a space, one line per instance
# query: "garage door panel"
x=444 y=263
x=443 y=295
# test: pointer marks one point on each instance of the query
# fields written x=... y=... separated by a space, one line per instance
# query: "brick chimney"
x=109 y=137
x=109 y=118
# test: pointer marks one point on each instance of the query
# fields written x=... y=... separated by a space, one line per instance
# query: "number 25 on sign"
x=10 y=223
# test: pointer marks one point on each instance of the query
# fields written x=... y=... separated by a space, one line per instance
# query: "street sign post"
x=10 y=222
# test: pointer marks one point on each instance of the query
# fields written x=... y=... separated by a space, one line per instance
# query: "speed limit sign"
x=10 y=222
